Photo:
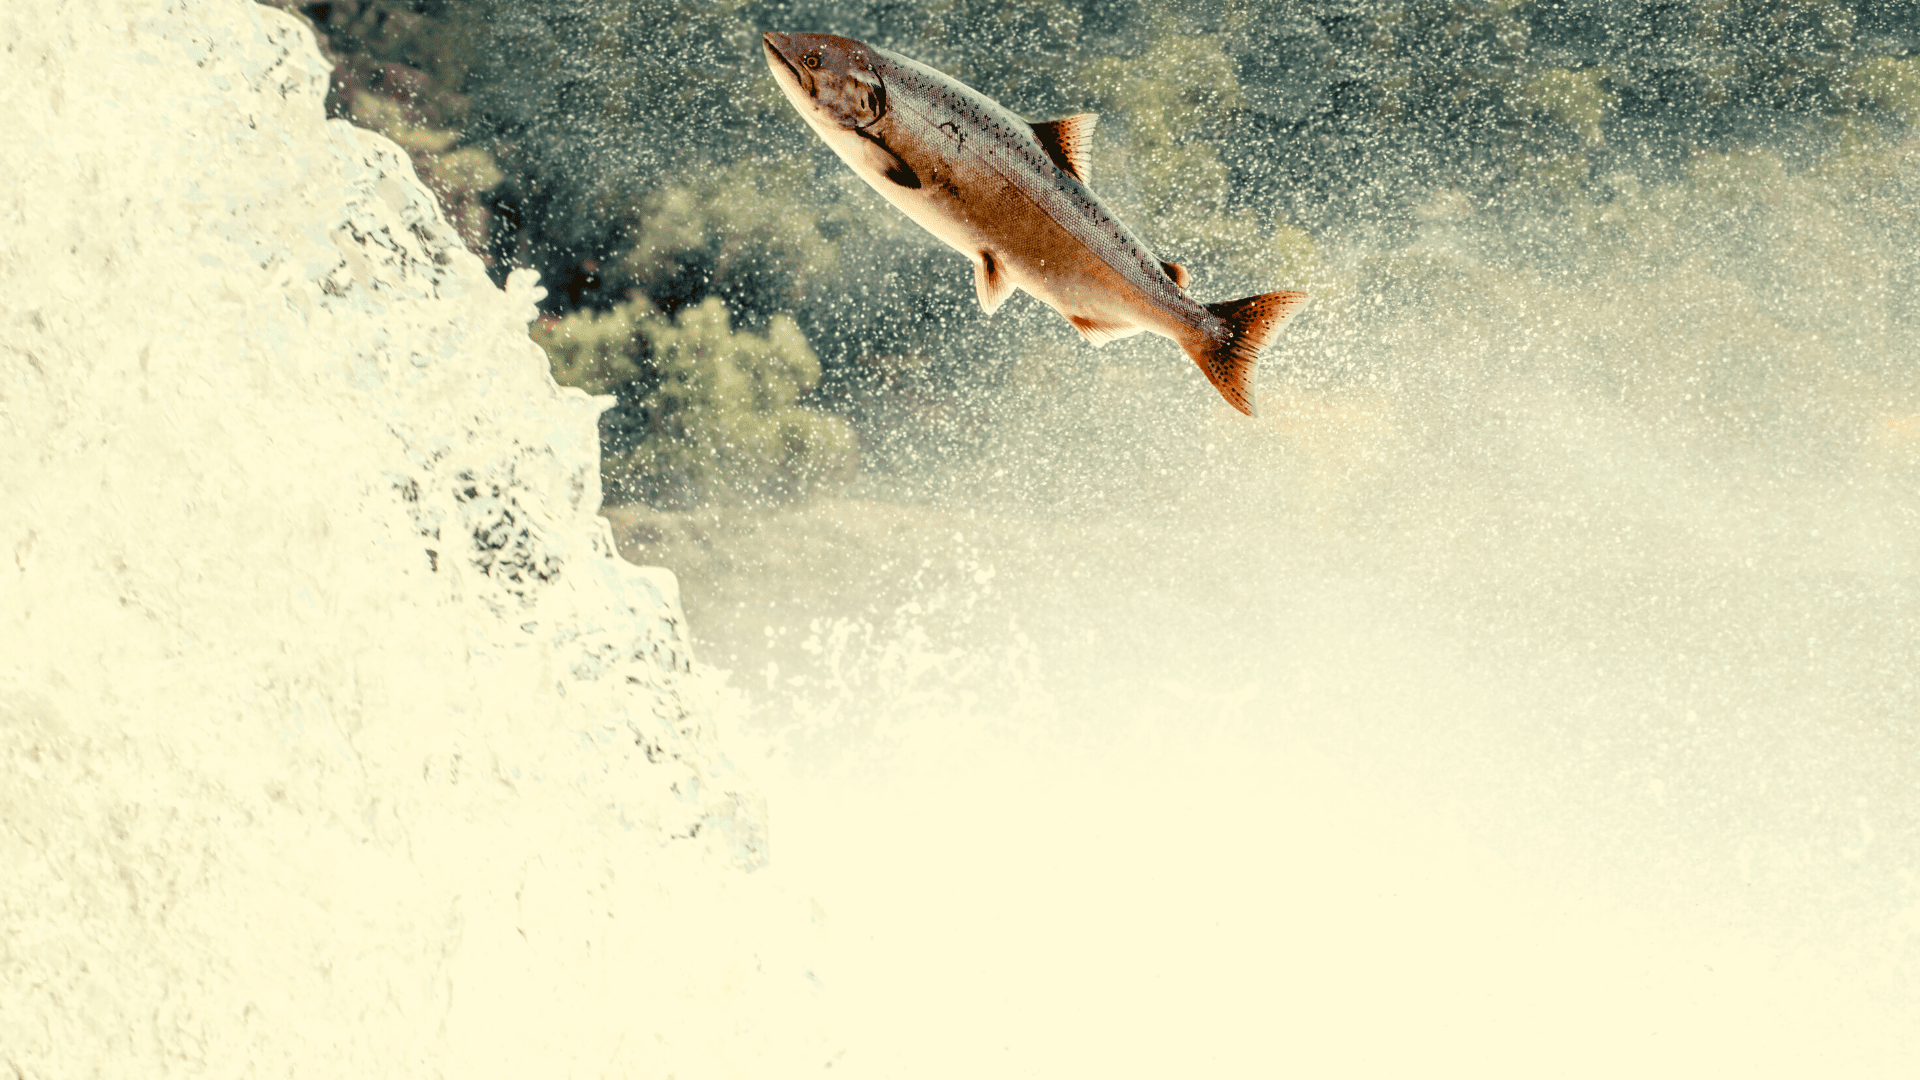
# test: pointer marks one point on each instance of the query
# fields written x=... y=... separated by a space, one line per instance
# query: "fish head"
x=830 y=79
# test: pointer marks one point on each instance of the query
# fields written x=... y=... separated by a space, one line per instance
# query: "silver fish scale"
x=1011 y=139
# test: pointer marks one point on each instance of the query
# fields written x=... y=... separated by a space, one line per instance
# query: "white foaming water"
x=1547 y=708
x=1159 y=871
x=1310 y=824
x=334 y=736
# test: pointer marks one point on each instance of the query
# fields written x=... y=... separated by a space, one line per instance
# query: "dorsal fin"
x=1069 y=142
x=1178 y=273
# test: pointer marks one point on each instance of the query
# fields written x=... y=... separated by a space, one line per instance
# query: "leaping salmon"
x=1012 y=196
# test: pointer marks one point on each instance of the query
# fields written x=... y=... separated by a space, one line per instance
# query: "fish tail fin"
x=1228 y=359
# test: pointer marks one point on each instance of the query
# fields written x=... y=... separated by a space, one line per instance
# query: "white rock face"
x=334 y=737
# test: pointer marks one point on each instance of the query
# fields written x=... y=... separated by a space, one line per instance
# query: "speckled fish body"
x=1011 y=196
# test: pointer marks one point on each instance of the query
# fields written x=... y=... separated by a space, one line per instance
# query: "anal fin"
x=991 y=283
x=1099 y=333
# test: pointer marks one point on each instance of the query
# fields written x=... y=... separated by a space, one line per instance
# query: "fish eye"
x=810 y=61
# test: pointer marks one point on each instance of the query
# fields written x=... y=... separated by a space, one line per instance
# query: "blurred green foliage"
x=713 y=413
x=638 y=155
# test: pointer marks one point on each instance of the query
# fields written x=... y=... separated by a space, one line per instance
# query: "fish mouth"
x=777 y=46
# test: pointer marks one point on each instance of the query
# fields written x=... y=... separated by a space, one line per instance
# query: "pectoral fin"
x=881 y=159
x=990 y=282
x=1069 y=142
